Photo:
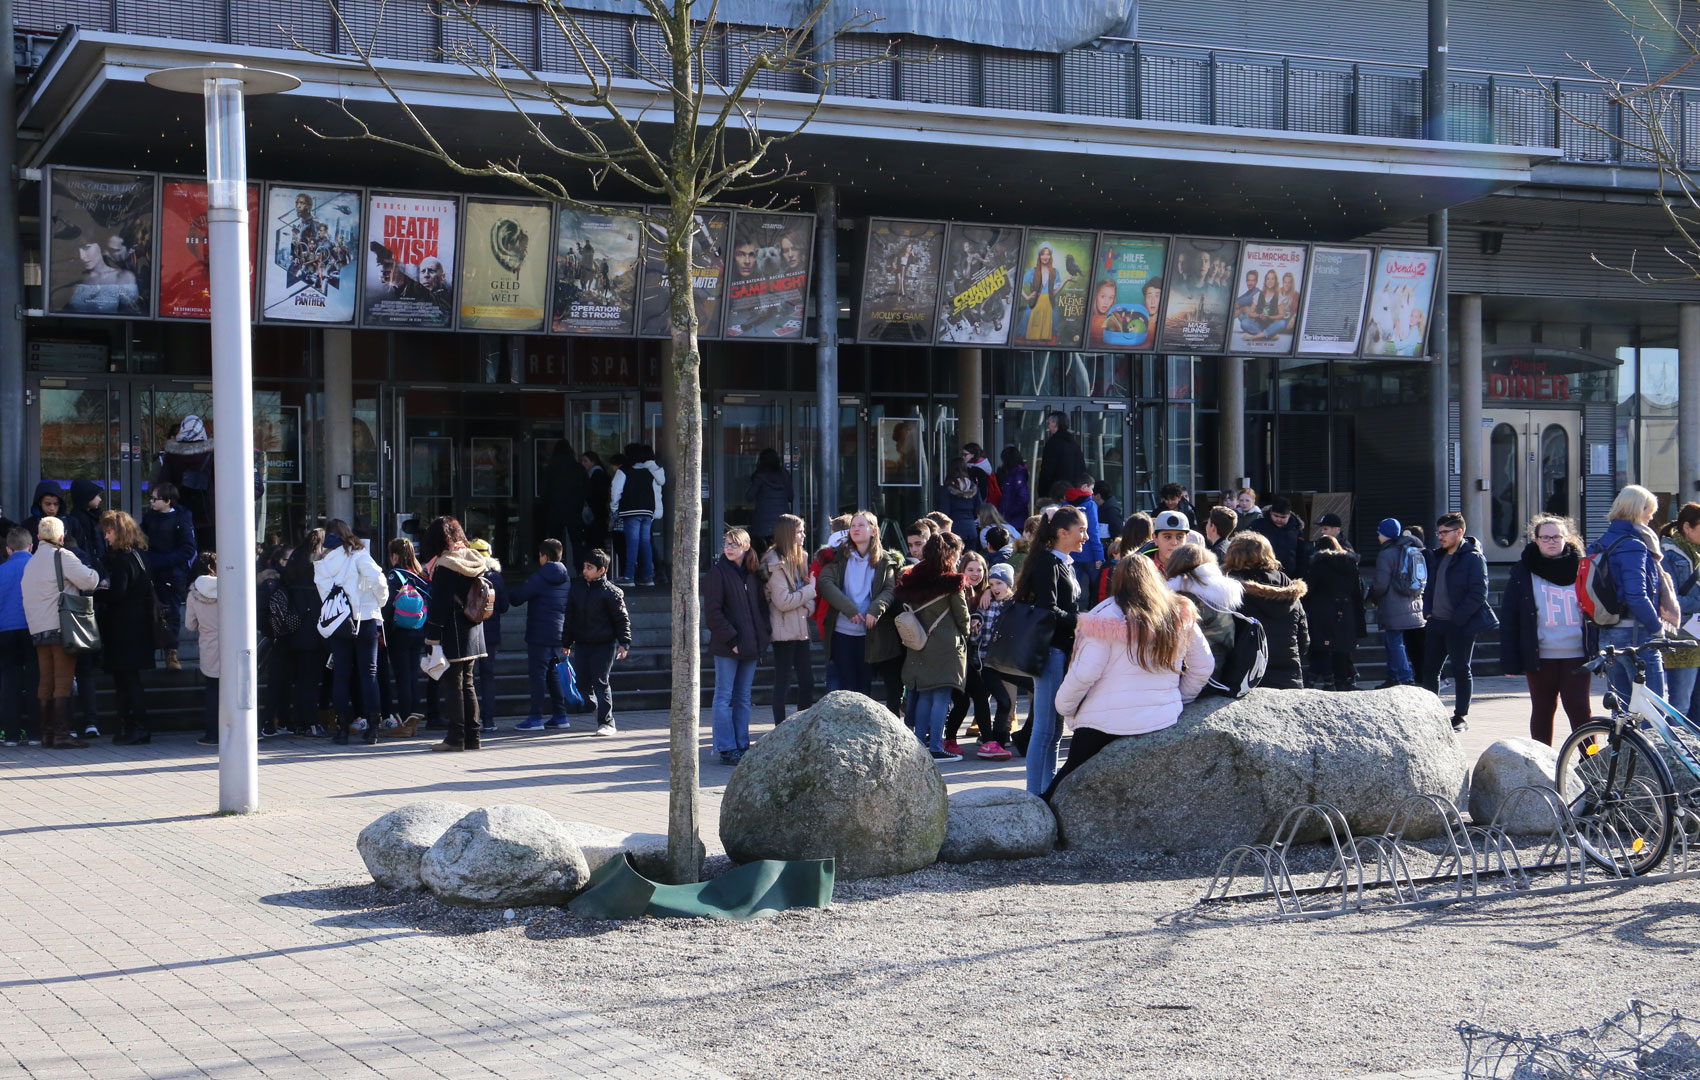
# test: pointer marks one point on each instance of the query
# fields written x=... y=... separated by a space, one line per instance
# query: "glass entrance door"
x=743 y=425
x=87 y=433
x=1100 y=428
x=1534 y=466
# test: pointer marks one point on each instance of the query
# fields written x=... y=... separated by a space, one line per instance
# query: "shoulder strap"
x=59 y=566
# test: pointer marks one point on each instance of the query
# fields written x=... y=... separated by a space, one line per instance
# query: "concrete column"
x=1230 y=435
x=1471 y=383
x=338 y=425
x=1688 y=404
x=970 y=398
x=14 y=486
x=1439 y=345
x=826 y=350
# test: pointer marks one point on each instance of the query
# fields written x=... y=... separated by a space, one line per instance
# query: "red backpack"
x=1596 y=590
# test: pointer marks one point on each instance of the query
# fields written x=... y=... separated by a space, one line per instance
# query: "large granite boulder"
x=1503 y=768
x=997 y=823
x=505 y=856
x=394 y=845
x=843 y=780
x=1229 y=771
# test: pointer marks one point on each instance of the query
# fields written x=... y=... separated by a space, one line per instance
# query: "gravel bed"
x=1080 y=965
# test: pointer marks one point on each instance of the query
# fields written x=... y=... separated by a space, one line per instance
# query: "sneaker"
x=646 y=584
x=726 y=758
x=269 y=731
x=204 y=741
x=1459 y=724
x=529 y=724
x=738 y=755
x=607 y=728
x=994 y=751
x=10 y=739
x=626 y=583
x=943 y=756
x=314 y=731
x=488 y=727
x=358 y=725
x=32 y=742
x=558 y=722
x=91 y=732
x=950 y=747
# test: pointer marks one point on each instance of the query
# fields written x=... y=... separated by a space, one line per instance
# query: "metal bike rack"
x=1475 y=862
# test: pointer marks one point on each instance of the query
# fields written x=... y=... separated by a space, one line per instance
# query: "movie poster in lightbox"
x=978 y=290
x=708 y=274
x=185 y=277
x=100 y=243
x=767 y=289
x=1268 y=296
x=900 y=282
x=309 y=239
x=1400 y=295
x=596 y=272
x=1050 y=308
x=1199 y=294
x=410 y=261
x=1127 y=292
x=504 y=266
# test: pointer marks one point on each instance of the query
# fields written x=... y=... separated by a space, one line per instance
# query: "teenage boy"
x=915 y=537
x=1217 y=528
x=1089 y=560
x=1171 y=528
x=597 y=625
x=546 y=590
x=1456 y=604
x=170 y=530
x=17 y=648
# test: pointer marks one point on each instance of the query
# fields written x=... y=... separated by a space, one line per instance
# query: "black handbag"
x=1021 y=640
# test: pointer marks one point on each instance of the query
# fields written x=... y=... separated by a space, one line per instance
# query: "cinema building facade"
x=1223 y=258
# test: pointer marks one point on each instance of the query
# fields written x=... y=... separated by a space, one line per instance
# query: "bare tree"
x=1643 y=123
x=664 y=124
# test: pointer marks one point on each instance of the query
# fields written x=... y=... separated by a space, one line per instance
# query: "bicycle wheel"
x=1628 y=824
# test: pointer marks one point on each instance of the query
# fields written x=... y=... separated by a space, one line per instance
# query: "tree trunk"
x=684 y=719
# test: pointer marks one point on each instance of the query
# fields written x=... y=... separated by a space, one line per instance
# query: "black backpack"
x=1246 y=661
x=282 y=620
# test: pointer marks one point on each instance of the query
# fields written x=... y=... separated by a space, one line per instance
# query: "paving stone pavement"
x=146 y=936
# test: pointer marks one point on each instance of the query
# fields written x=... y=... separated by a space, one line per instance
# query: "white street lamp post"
x=223 y=87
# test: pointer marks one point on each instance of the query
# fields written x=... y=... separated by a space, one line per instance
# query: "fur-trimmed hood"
x=921 y=583
x=1272 y=586
x=1210 y=585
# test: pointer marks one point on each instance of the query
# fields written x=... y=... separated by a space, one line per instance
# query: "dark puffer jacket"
x=596 y=615
x=82 y=523
x=1276 y=601
x=1334 y=600
x=124 y=610
x=546 y=592
x=734 y=608
x=769 y=494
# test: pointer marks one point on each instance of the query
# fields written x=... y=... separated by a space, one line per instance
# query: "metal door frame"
x=128 y=451
x=1529 y=423
x=1073 y=407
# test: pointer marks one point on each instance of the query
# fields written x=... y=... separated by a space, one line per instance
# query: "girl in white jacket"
x=1138 y=657
x=346 y=563
x=200 y=617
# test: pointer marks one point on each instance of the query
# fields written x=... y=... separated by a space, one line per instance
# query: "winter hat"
x=1002 y=572
x=480 y=545
x=1330 y=521
x=191 y=430
x=1390 y=528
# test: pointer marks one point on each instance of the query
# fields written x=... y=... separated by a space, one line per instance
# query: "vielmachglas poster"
x=708 y=272
x=410 y=261
x=900 y=282
x=978 y=287
x=767 y=286
x=1334 y=301
x=596 y=269
x=504 y=266
x=1050 y=294
x=100 y=235
x=1127 y=292
x=1267 y=298
x=310 y=238
x=1399 y=298
x=1200 y=294
x=184 y=278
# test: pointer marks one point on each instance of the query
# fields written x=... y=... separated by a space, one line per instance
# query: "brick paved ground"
x=146 y=937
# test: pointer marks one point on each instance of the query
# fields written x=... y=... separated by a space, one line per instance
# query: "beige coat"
x=41 y=585
x=200 y=615
x=789 y=601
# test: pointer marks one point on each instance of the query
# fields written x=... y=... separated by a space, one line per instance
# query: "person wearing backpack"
x=1680 y=545
x=1401 y=575
x=459 y=602
x=348 y=579
x=1276 y=601
x=1456 y=603
x=1140 y=658
x=930 y=594
x=1542 y=634
x=1627 y=556
x=404 y=635
x=734 y=608
x=546 y=591
x=1194 y=574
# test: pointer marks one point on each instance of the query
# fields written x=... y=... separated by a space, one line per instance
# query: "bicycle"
x=1617 y=784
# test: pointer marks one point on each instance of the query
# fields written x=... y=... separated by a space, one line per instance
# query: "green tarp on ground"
x=616 y=891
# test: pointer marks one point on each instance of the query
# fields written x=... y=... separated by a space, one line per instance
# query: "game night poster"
x=768 y=277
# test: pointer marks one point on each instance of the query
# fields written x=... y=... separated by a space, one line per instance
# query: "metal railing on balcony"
x=1135 y=80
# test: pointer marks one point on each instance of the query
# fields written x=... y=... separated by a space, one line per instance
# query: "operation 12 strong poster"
x=185 y=290
x=768 y=282
x=310 y=237
x=708 y=271
x=1127 y=292
x=504 y=266
x=410 y=261
x=1050 y=310
x=900 y=282
x=978 y=289
x=596 y=268
x=100 y=243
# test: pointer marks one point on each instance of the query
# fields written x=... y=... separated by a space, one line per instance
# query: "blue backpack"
x=410 y=606
x=1412 y=578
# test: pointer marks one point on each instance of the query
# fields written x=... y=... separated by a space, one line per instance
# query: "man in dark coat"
x=1456 y=604
x=82 y=518
x=170 y=530
x=566 y=485
x=546 y=590
x=597 y=625
x=1285 y=532
x=49 y=502
x=1061 y=460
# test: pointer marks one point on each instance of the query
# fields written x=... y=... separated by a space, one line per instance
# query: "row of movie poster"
x=929 y=282
x=336 y=256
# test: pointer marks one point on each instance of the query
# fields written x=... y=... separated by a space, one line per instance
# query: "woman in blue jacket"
x=1631 y=548
x=1681 y=560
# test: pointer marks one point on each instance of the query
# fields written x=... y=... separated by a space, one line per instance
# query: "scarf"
x=1559 y=569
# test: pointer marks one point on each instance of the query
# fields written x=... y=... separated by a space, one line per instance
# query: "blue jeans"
x=849 y=668
x=404 y=648
x=484 y=678
x=1398 y=664
x=1679 y=689
x=356 y=658
x=1047 y=729
x=640 y=556
x=931 y=708
x=732 y=678
x=1621 y=675
x=540 y=665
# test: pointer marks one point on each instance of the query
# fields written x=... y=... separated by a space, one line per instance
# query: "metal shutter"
x=1599 y=425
